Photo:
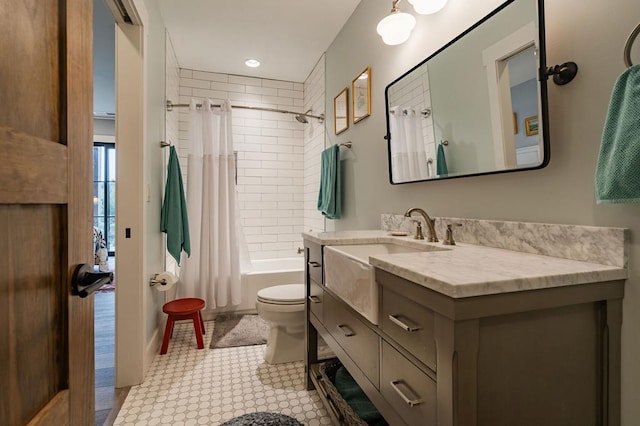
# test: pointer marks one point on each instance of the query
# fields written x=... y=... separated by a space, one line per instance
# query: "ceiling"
x=287 y=36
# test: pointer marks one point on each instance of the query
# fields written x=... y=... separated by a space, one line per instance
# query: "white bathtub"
x=266 y=273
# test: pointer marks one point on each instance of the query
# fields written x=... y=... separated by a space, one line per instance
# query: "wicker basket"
x=328 y=372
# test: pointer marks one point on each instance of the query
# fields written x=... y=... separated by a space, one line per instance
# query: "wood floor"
x=108 y=399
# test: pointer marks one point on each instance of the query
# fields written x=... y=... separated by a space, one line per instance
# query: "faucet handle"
x=449 y=241
x=419 y=235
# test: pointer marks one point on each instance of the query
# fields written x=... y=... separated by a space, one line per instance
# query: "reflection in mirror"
x=462 y=111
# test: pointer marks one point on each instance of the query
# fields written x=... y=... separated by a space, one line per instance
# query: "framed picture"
x=341 y=111
x=361 y=95
x=531 y=125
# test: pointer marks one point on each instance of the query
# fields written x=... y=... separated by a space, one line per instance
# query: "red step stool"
x=182 y=309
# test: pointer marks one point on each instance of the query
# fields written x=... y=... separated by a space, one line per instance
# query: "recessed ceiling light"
x=253 y=63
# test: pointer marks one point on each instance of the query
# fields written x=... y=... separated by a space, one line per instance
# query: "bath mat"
x=232 y=330
x=263 y=418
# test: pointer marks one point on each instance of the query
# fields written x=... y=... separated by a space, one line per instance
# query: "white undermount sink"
x=350 y=276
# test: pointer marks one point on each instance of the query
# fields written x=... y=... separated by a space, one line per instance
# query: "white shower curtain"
x=218 y=246
x=408 y=154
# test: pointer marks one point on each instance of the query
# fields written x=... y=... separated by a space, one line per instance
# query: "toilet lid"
x=288 y=294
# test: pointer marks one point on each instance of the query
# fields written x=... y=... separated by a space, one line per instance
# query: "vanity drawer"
x=314 y=262
x=316 y=298
x=409 y=324
x=410 y=392
x=357 y=340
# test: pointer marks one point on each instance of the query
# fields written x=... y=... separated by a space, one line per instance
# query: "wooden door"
x=46 y=334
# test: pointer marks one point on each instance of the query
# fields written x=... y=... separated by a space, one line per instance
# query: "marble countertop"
x=467 y=270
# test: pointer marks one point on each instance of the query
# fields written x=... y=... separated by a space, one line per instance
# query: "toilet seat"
x=287 y=294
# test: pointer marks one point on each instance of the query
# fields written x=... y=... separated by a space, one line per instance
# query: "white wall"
x=172 y=90
x=130 y=341
x=590 y=33
x=314 y=95
x=270 y=155
x=154 y=168
x=104 y=126
x=140 y=79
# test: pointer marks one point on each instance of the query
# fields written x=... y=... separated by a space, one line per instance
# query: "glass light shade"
x=427 y=7
x=396 y=28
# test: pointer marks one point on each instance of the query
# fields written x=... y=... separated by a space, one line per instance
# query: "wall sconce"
x=396 y=27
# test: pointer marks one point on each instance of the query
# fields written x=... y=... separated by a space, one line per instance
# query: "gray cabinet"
x=536 y=357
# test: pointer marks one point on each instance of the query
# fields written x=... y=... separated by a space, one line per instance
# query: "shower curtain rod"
x=171 y=106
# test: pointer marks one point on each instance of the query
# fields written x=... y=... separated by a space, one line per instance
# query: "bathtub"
x=266 y=273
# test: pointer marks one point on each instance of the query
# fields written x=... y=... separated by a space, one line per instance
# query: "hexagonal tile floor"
x=190 y=386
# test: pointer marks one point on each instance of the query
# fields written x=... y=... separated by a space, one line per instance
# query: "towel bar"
x=628 y=44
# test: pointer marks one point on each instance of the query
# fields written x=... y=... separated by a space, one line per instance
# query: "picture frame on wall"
x=361 y=95
x=341 y=111
x=531 y=125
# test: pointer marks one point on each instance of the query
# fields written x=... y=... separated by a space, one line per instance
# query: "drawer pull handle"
x=315 y=299
x=314 y=264
x=346 y=330
x=410 y=402
x=402 y=325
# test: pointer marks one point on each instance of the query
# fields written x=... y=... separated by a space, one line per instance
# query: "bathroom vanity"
x=470 y=334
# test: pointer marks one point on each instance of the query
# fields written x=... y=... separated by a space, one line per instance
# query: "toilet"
x=282 y=306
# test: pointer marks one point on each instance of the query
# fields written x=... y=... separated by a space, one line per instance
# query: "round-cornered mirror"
x=477 y=105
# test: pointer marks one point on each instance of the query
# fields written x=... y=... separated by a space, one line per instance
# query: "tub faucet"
x=430 y=222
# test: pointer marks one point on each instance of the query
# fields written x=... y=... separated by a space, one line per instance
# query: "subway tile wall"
x=270 y=155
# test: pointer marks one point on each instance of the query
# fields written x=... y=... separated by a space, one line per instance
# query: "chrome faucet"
x=430 y=222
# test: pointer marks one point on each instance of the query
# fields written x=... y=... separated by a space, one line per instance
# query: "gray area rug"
x=231 y=330
x=263 y=419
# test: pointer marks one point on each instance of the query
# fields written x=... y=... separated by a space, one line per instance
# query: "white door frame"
x=131 y=359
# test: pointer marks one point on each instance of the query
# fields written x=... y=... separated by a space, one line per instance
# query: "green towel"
x=357 y=399
x=618 y=170
x=329 y=197
x=441 y=162
x=174 y=220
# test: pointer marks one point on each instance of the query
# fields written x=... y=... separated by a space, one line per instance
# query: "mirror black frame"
x=542 y=77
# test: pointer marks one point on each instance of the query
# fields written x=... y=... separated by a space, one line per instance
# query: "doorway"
x=104 y=208
x=104 y=193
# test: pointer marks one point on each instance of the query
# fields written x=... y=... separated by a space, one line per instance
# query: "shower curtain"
x=218 y=247
x=408 y=154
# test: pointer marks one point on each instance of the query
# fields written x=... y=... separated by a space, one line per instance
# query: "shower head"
x=301 y=118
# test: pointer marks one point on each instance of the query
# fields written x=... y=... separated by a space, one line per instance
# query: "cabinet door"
x=407 y=388
x=314 y=262
x=316 y=299
x=409 y=324
x=357 y=340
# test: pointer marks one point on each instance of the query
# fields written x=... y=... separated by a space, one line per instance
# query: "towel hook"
x=629 y=44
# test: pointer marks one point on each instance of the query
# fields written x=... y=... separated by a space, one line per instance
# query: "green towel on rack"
x=441 y=162
x=174 y=220
x=618 y=169
x=330 y=194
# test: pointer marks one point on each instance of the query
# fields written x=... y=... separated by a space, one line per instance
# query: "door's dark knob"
x=85 y=281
